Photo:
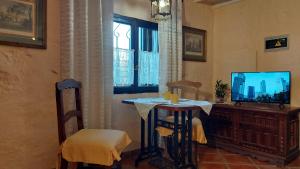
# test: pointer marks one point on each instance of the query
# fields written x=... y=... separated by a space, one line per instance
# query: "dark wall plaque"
x=276 y=43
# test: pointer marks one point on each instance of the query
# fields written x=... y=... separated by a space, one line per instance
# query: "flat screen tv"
x=262 y=87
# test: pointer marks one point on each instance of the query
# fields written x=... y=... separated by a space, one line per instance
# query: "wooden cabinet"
x=223 y=128
x=265 y=133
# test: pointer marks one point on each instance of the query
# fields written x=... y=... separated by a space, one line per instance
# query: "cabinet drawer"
x=222 y=115
x=262 y=121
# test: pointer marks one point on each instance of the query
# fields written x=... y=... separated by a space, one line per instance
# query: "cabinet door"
x=259 y=131
x=292 y=133
x=222 y=126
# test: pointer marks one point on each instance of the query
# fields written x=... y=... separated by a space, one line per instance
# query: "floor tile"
x=225 y=152
x=212 y=166
x=237 y=159
x=127 y=161
x=210 y=158
x=241 y=166
x=206 y=149
x=295 y=163
x=270 y=167
x=145 y=165
x=259 y=162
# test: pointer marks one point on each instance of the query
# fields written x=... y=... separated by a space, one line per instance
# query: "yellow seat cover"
x=198 y=134
x=95 y=146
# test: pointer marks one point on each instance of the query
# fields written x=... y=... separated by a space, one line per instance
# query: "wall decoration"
x=161 y=9
x=23 y=23
x=194 y=44
x=276 y=43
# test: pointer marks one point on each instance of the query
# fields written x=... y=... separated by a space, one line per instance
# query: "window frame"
x=135 y=24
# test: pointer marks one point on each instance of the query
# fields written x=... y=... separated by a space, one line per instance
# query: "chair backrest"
x=184 y=87
x=62 y=116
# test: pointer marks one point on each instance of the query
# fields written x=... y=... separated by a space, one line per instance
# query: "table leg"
x=156 y=149
x=183 y=134
x=190 y=128
x=142 y=135
x=190 y=164
x=152 y=150
x=176 y=158
x=150 y=132
x=142 y=146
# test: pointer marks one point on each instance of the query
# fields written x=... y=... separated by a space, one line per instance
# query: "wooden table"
x=152 y=149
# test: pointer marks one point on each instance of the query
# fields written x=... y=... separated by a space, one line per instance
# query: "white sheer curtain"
x=87 y=55
x=148 y=72
x=123 y=67
x=170 y=47
x=148 y=59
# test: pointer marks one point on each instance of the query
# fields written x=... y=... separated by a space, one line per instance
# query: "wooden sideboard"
x=265 y=133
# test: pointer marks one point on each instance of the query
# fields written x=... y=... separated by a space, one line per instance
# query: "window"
x=136 y=55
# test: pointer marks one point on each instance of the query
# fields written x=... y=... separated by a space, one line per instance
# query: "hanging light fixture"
x=160 y=9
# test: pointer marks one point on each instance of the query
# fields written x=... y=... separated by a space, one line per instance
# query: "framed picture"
x=23 y=23
x=194 y=44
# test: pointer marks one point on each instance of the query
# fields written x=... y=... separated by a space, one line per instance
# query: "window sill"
x=131 y=90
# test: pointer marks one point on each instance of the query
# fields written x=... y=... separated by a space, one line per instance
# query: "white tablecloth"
x=144 y=105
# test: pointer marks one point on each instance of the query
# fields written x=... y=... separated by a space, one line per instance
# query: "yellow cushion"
x=95 y=146
x=172 y=118
x=164 y=132
x=197 y=133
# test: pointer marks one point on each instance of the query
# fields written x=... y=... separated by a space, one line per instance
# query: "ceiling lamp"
x=160 y=9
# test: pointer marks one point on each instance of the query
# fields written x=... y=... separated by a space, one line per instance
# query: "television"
x=261 y=87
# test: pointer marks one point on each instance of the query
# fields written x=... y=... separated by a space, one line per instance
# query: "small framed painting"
x=194 y=44
x=23 y=23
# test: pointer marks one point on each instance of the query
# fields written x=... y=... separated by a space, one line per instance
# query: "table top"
x=166 y=105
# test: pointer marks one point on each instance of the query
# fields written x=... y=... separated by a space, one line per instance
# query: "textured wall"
x=200 y=16
x=239 y=32
x=28 y=132
x=134 y=8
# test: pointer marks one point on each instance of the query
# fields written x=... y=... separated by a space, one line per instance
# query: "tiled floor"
x=210 y=158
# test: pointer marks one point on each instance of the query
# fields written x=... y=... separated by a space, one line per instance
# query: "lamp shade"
x=160 y=9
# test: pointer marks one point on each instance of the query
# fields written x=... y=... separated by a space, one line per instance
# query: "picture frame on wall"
x=194 y=44
x=23 y=23
x=276 y=43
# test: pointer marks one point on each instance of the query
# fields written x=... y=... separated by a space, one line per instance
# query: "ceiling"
x=212 y=2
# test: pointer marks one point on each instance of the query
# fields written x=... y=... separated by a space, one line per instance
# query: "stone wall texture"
x=28 y=132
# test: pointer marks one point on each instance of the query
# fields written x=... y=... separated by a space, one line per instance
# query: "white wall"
x=200 y=16
x=134 y=8
x=239 y=32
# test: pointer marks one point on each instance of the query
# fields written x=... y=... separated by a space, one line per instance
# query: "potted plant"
x=221 y=91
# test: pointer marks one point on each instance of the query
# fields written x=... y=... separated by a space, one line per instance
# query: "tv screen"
x=264 y=87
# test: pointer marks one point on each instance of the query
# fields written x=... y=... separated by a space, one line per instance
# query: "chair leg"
x=63 y=164
x=117 y=165
x=196 y=153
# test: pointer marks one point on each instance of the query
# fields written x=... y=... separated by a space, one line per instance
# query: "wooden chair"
x=191 y=90
x=98 y=141
x=185 y=89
